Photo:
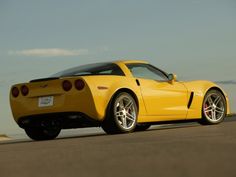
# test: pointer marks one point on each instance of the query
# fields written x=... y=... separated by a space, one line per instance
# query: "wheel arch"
x=109 y=124
x=207 y=121
x=218 y=89
x=127 y=90
x=224 y=95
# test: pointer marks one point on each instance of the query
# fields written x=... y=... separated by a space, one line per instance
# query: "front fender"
x=200 y=88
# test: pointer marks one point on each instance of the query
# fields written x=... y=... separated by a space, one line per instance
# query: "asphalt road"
x=180 y=150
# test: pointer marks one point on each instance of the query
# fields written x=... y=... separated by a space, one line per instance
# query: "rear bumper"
x=64 y=120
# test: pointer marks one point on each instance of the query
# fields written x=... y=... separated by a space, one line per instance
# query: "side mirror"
x=172 y=78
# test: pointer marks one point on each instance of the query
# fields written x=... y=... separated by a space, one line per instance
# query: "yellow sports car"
x=120 y=96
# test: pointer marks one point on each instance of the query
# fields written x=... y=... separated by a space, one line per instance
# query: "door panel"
x=164 y=98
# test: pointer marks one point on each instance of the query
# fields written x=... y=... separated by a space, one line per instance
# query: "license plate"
x=45 y=101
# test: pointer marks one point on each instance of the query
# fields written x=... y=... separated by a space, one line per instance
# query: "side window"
x=147 y=71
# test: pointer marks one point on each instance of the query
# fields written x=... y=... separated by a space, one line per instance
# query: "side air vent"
x=137 y=82
x=190 y=100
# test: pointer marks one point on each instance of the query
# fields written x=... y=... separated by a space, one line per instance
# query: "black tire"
x=118 y=119
x=42 y=133
x=142 y=127
x=213 y=108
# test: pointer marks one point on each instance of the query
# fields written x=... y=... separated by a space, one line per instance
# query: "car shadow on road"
x=100 y=134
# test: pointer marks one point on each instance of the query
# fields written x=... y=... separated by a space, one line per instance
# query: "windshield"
x=92 y=69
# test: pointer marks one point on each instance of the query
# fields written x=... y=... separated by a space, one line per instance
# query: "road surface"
x=173 y=150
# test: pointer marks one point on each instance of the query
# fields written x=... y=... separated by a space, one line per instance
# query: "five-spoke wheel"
x=214 y=107
x=125 y=111
x=122 y=114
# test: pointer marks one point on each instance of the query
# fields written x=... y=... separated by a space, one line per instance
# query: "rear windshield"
x=92 y=69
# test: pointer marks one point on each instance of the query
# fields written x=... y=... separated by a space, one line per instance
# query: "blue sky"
x=196 y=39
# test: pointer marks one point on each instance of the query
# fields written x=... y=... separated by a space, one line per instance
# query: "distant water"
x=230 y=89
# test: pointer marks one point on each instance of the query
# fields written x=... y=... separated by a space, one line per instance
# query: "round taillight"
x=24 y=90
x=15 y=92
x=79 y=84
x=66 y=85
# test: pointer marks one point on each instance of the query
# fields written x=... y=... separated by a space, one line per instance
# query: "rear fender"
x=103 y=89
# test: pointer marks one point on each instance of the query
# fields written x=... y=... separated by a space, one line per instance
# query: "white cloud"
x=51 y=52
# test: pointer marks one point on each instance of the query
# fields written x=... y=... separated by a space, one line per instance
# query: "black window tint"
x=147 y=71
x=92 y=69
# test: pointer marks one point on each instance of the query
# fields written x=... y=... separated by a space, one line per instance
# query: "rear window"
x=92 y=69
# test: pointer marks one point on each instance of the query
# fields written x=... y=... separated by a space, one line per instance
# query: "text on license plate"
x=45 y=101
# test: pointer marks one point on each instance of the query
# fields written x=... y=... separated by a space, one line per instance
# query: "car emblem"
x=44 y=86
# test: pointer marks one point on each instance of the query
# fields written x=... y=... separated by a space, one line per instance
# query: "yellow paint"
x=157 y=101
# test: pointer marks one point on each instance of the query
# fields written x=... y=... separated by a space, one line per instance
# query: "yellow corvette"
x=120 y=96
